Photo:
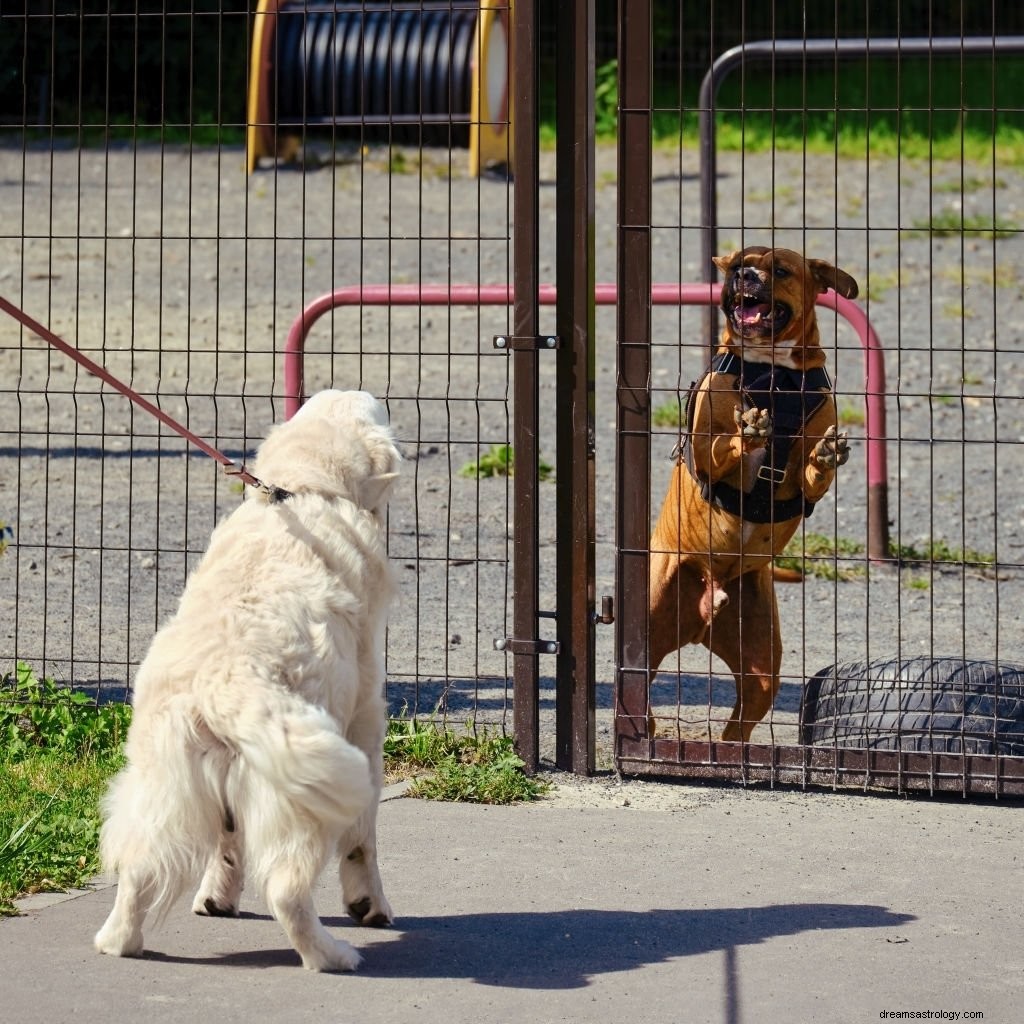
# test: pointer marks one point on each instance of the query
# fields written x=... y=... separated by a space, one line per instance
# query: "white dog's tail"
x=295 y=748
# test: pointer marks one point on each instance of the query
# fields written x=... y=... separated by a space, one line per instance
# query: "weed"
x=879 y=284
x=38 y=714
x=942 y=553
x=952 y=222
x=956 y=311
x=668 y=414
x=50 y=820
x=499 y=460
x=6 y=533
x=816 y=554
x=970 y=183
x=468 y=767
x=851 y=415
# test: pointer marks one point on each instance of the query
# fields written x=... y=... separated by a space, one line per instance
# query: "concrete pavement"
x=640 y=902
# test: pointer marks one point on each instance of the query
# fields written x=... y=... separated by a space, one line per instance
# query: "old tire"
x=942 y=705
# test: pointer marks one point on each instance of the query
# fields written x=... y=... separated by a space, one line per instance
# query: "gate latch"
x=513 y=646
x=527 y=342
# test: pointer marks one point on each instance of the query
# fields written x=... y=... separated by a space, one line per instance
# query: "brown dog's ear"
x=724 y=262
x=832 y=277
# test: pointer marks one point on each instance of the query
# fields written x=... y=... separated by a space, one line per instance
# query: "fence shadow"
x=564 y=949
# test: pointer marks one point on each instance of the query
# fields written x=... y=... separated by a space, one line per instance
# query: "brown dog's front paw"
x=755 y=427
x=832 y=450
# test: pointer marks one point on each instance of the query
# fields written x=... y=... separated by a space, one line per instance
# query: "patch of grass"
x=942 y=553
x=968 y=184
x=38 y=714
x=57 y=751
x=950 y=223
x=668 y=414
x=467 y=767
x=50 y=820
x=957 y=311
x=816 y=554
x=879 y=284
x=499 y=460
x=850 y=414
x=1003 y=276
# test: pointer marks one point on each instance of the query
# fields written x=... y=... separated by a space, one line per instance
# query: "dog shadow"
x=564 y=949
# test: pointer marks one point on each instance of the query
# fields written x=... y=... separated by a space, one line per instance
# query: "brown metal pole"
x=633 y=509
x=574 y=317
x=525 y=395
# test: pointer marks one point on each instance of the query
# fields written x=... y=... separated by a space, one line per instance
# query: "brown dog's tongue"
x=751 y=313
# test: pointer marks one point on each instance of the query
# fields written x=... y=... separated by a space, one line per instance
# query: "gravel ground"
x=182 y=276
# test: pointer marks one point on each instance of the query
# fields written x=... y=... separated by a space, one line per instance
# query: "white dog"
x=256 y=742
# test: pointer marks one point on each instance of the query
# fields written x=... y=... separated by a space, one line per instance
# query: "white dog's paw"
x=372 y=914
x=210 y=906
x=111 y=941
x=332 y=955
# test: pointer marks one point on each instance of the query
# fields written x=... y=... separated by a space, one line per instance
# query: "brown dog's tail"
x=783 y=575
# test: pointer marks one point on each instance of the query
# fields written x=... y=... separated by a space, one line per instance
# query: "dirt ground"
x=182 y=275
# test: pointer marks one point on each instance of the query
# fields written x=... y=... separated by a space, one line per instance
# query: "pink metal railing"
x=607 y=295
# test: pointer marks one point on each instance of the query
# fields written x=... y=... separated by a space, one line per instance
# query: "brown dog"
x=761 y=447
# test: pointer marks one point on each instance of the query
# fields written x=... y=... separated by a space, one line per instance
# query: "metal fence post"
x=633 y=505
x=574 y=257
x=526 y=419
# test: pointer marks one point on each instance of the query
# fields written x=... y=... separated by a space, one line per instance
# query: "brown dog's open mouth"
x=750 y=315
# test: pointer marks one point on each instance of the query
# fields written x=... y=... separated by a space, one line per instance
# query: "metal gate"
x=902 y=620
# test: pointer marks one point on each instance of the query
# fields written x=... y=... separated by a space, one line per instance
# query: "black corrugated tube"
x=376 y=67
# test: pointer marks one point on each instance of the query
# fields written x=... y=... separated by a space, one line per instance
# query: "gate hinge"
x=542 y=342
x=513 y=646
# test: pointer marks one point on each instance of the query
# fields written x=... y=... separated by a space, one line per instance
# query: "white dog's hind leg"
x=221 y=888
x=361 y=887
x=121 y=934
x=291 y=902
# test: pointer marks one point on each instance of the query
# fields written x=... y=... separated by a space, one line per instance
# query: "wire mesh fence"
x=149 y=246
x=136 y=222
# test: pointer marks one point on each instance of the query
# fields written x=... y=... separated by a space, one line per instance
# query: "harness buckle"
x=771 y=474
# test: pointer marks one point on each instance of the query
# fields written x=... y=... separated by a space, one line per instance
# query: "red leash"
x=230 y=466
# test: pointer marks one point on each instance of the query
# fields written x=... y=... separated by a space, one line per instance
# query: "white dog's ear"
x=373 y=493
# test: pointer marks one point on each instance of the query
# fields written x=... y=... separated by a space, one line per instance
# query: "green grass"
x=951 y=223
x=499 y=460
x=941 y=553
x=839 y=558
x=914 y=109
x=465 y=766
x=57 y=751
x=668 y=414
x=50 y=820
x=829 y=558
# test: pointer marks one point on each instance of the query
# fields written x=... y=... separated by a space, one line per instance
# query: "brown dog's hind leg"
x=683 y=603
x=745 y=635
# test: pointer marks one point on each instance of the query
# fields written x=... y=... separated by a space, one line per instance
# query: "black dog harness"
x=791 y=397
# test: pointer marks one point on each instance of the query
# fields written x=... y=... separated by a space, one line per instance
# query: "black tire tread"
x=942 y=705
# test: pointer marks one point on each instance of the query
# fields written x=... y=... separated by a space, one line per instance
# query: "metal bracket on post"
x=513 y=646
x=527 y=343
